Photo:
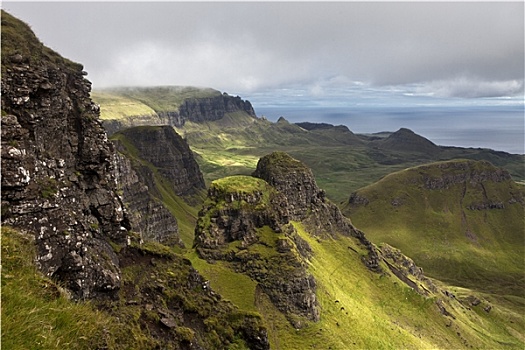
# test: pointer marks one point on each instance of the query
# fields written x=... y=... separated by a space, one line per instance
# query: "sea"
x=497 y=125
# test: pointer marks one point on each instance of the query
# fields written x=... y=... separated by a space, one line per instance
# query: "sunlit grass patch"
x=117 y=107
x=231 y=285
x=455 y=243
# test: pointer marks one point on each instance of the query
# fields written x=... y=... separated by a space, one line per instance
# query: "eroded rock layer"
x=307 y=203
x=245 y=222
x=57 y=165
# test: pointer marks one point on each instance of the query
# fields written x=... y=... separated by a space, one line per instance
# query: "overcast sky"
x=468 y=50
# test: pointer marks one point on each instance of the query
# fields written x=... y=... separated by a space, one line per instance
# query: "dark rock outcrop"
x=406 y=270
x=147 y=215
x=210 y=108
x=307 y=202
x=162 y=150
x=461 y=172
x=58 y=177
x=250 y=230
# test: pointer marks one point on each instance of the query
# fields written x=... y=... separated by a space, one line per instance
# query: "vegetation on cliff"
x=20 y=45
x=164 y=303
x=399 y=307
x=36 y=312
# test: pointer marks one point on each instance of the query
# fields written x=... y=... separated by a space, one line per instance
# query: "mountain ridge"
x=165 y=105
x=233 y=144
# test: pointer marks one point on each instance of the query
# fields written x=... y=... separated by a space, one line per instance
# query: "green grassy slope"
x=475 y=248
x=366 y=310
x=113 y=106
x=36 y=313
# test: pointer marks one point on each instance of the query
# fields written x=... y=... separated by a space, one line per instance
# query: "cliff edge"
x=58 y=177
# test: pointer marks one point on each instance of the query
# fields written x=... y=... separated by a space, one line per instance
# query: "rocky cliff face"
x=151 y=161
x=173 y=106
x=160 y=149
x=208 y=109
x=245 y=222
x=306 y=202
x=57 y=165
x=453 y=173
x=146 y=213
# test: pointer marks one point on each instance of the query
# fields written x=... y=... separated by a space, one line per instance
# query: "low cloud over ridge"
x=469 y=50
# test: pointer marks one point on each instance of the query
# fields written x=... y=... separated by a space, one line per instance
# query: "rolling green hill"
x=158 y=99
x=341 y=160
x=462 y=221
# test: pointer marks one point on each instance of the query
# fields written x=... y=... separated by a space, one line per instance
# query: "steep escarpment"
x=466 y=217
x=166 y=105
x=167 y=154
x=58 y=177
x=245 y=222
x=210 y=109
x=156 y=165
x=147 y=214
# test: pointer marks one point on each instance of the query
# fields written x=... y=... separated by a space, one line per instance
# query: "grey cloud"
x=250 y=46
x=473 y=88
